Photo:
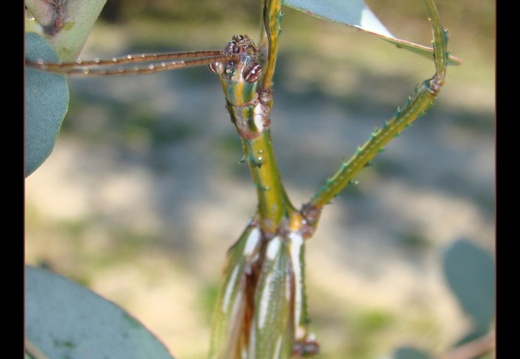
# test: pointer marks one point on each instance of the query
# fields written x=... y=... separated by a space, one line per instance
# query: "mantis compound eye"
x=252 y=72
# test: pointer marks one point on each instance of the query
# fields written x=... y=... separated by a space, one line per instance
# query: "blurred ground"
x=144 y=191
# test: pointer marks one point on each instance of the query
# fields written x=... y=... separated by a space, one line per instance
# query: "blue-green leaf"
x=470 y=273
x=46 y=103
x=356 y=14
x=409 y=353
x=66 y=320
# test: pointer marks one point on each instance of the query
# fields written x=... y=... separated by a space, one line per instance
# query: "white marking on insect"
x=229 y=288
x=252 y=242
x=278 y=347
x=296 y=244
x=273 y=247
x=264 y=300
x=252 y=344
x=259 y=115
x=272 y=250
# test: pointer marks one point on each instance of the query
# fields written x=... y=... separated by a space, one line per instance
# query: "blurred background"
x=144 y=192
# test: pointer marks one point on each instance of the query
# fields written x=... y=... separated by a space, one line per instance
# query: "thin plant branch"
x=472 y=349
x=33 y=351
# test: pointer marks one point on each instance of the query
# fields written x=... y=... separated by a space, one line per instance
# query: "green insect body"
x=267 y=315
x=261 y=309
x=274 y=320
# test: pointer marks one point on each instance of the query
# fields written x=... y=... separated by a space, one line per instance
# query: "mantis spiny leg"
x=415 y=106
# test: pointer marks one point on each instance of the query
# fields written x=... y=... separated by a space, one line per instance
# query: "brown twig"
x=33 y=351
x=472 y=349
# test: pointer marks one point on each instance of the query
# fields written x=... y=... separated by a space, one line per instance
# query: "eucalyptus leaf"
x=470 y=273
x=353 y=13
x=409 y=353
x=46 y=104
x=65 y=320
x=356 y=14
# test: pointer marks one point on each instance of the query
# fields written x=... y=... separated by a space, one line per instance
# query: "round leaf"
x=409 y=353
x=46 y=103
x=66 y=320
x=470 y=273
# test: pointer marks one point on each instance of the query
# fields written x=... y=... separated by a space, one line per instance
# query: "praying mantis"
x=261 y=310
